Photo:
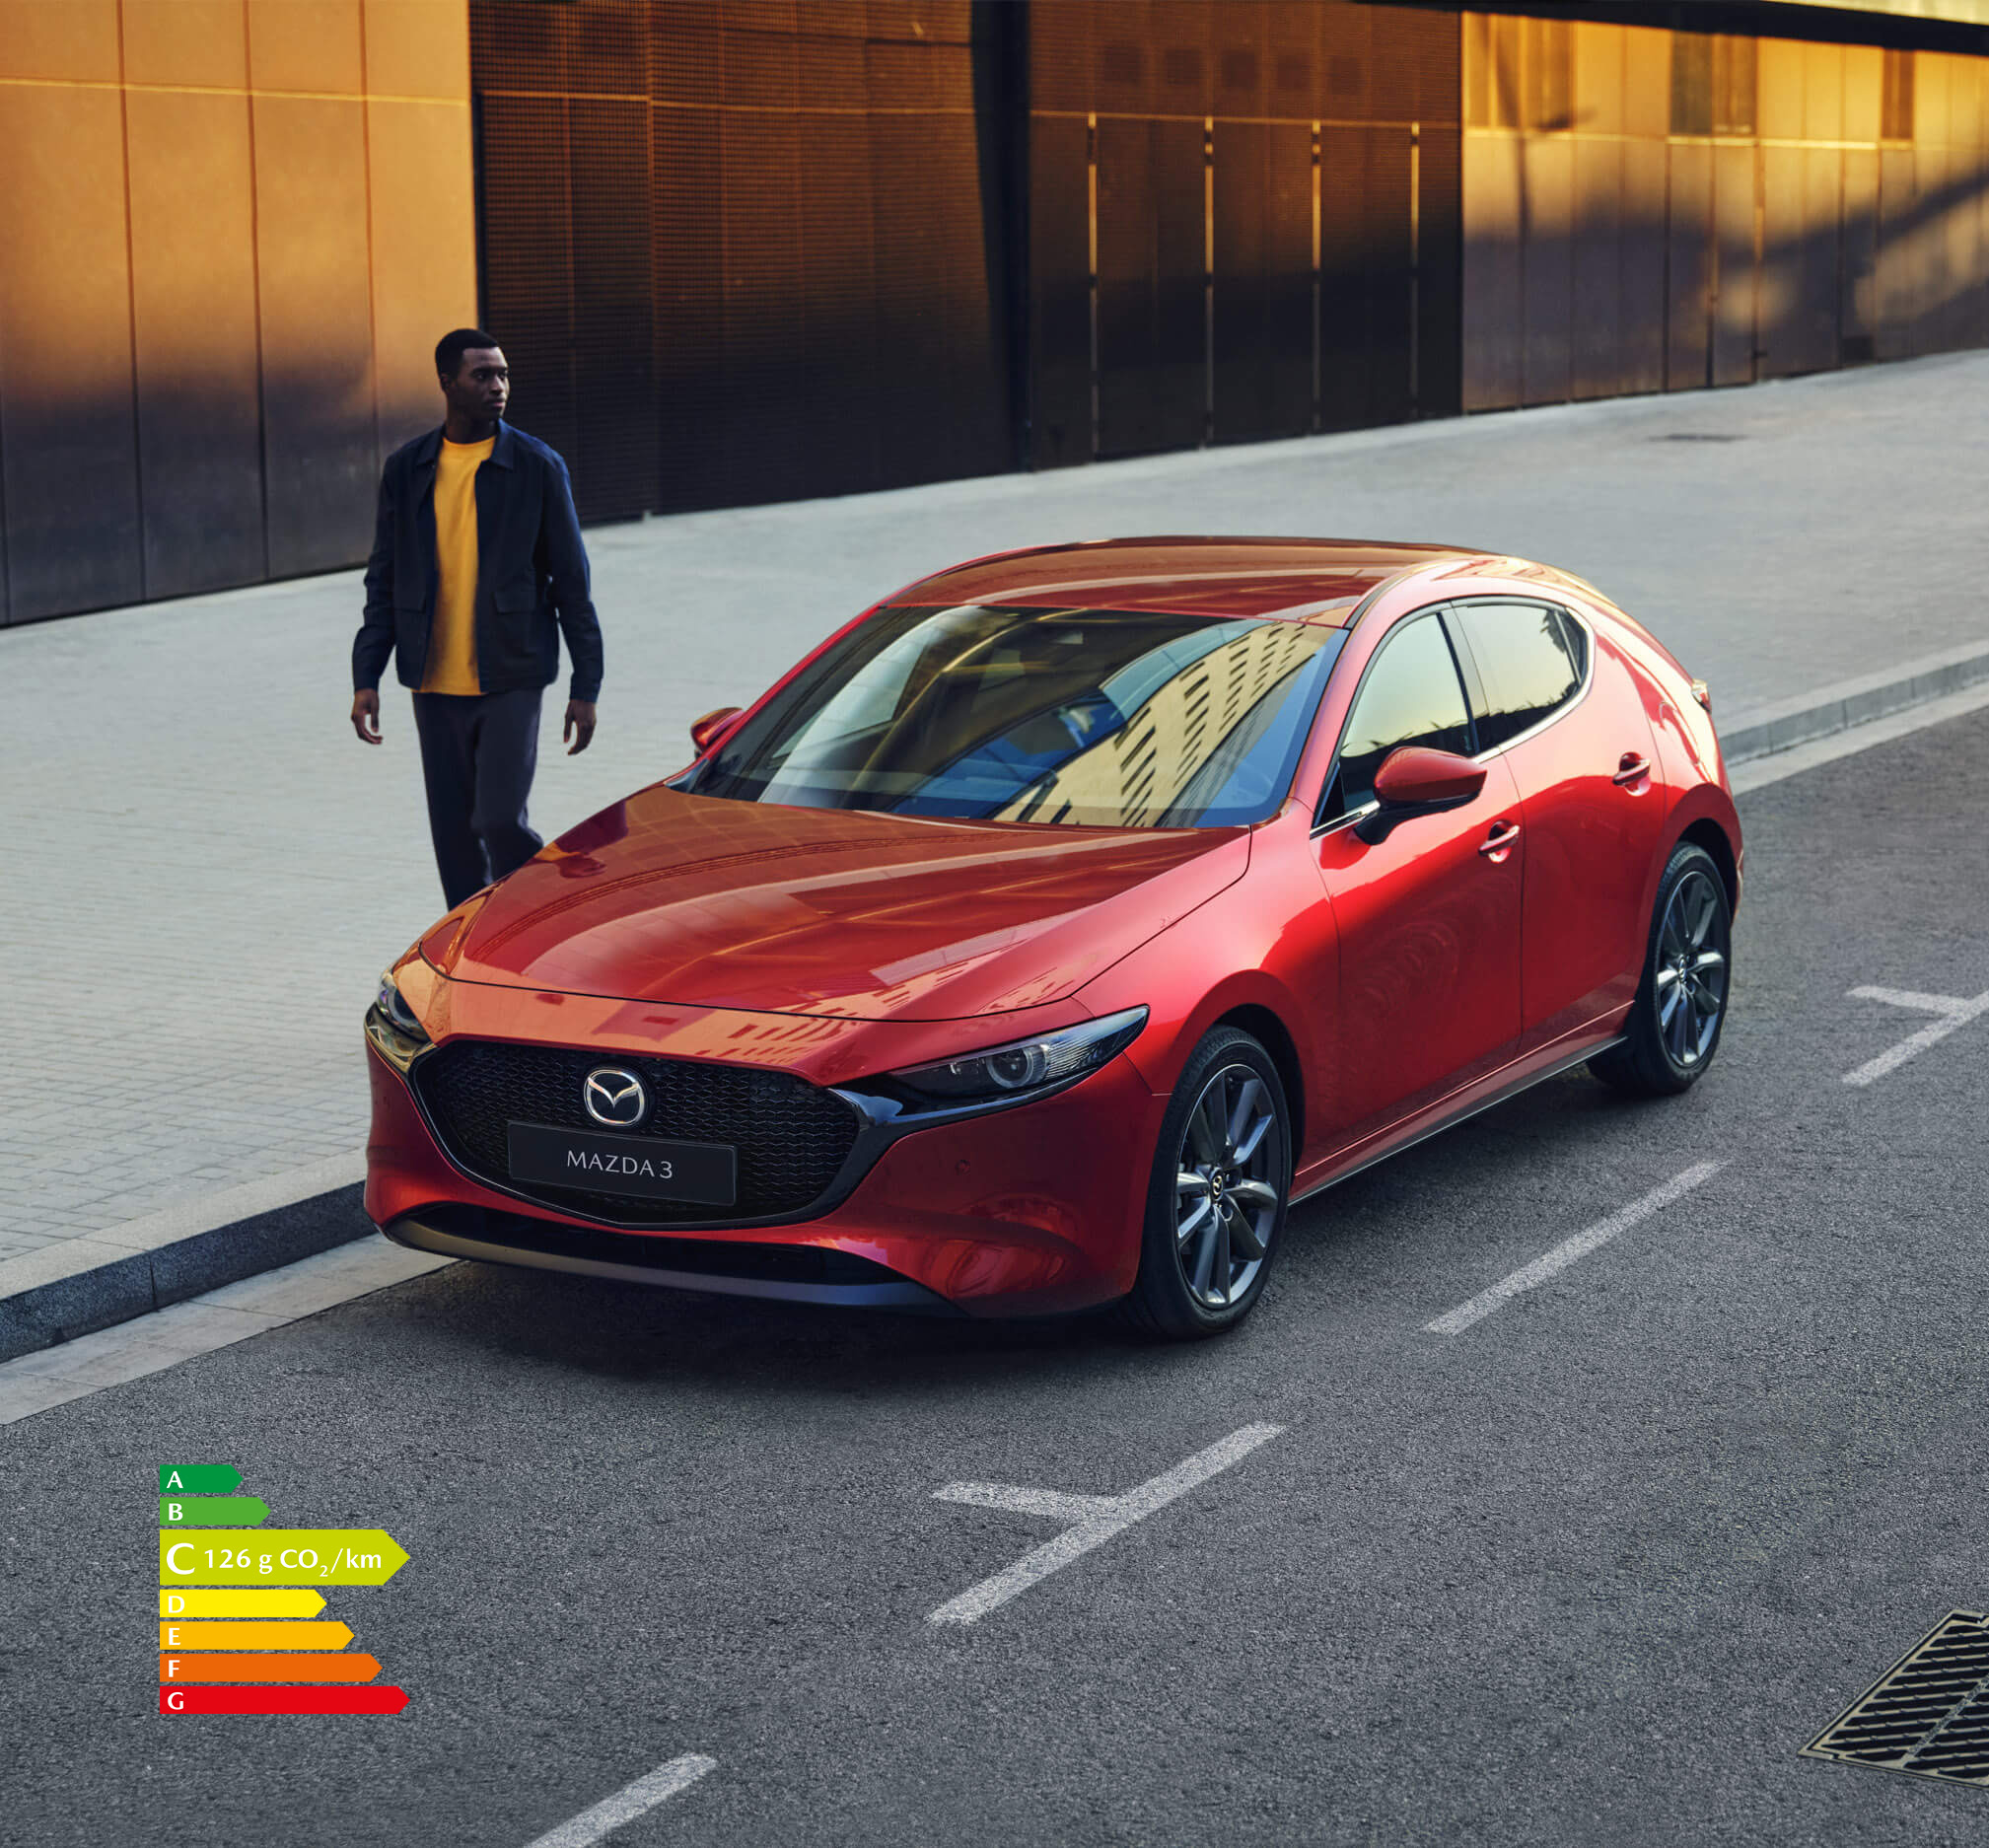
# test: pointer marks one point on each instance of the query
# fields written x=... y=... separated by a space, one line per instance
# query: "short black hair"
x=450 y=349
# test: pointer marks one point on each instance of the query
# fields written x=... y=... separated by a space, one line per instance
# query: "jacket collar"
x=504 y=455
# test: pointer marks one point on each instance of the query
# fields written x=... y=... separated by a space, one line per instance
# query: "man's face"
x=481 y=386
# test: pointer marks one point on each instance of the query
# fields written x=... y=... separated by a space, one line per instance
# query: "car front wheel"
x=1222 y=1181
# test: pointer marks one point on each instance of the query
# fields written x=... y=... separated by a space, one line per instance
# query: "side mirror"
x=707 y=731
x=1413 y=781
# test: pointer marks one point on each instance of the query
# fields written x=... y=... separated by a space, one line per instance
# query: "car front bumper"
x=1032 y=1210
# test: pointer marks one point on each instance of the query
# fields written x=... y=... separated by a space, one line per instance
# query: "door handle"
x=1632 y=768
x=1502 y=837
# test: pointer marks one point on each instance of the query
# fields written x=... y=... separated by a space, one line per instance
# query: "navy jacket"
x=532 y=578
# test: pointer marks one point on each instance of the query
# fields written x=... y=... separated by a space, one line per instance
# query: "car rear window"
x=1531 y=659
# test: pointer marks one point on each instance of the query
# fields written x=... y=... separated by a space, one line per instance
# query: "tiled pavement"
x=204 y=871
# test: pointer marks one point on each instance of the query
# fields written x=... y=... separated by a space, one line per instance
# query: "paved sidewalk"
x=205 y=871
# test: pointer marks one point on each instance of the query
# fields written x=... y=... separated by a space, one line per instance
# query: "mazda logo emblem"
x=616 y=1097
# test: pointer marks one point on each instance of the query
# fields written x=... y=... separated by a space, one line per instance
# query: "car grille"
x=792 y=1136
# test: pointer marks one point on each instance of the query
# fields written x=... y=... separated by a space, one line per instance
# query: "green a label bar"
x=198 y=1479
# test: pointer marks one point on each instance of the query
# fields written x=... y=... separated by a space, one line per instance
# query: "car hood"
x=699 y=902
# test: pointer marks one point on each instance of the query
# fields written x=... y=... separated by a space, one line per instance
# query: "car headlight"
x=1021 y=1067
x=393 y=1028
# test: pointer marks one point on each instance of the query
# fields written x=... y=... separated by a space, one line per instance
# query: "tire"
x=1674 y=1025
x=1180 y=1293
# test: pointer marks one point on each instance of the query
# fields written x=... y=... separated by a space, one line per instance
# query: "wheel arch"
x=1709 y=835
x=1270 y=1031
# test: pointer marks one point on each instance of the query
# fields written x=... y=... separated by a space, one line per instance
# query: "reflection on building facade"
x=1178 y=735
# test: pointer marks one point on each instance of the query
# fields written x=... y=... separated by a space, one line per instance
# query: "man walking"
x=477 y=568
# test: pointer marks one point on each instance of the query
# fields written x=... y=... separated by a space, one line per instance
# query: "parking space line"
x=1955 y=1013
x=1094 y=1519
x=1456 y=1321
x=628 y=1803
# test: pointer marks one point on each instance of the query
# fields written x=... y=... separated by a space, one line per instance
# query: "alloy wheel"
x=1689 y=985
x=1230 y=1171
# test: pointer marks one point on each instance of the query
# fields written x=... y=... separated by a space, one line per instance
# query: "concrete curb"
x=1757 y=731
x=86 y=1284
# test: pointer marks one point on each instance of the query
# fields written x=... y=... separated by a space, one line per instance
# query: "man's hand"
x=366 y=715
x=579 y=726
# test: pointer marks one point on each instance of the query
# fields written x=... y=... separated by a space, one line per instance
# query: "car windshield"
x=1093 y=718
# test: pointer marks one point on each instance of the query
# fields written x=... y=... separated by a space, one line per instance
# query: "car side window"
x=1530 y=659
x=1412 y=696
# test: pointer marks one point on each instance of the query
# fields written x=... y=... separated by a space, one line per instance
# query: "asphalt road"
x=1589 y=1572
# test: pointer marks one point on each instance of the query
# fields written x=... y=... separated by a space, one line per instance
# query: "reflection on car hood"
x=705 y=902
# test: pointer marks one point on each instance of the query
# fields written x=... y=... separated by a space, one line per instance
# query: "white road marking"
x=634 y=1800
x=1569 y=1249
x=1955 y=1013
x=1094 y=1519
x=149 y=1344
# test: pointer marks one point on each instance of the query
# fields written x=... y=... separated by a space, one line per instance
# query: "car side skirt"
x=1488 y=1093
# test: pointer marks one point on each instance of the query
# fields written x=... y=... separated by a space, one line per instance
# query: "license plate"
x=645 y=1166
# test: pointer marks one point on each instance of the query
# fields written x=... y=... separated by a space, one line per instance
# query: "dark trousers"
x=478 y=752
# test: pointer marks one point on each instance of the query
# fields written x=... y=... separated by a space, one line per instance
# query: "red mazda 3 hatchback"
x=1045 y=934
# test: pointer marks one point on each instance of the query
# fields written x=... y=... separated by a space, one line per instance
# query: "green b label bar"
x=279 y=1556
x=198 y=1479
x=212 y=1511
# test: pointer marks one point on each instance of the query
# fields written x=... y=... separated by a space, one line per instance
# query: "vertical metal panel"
x=1596 y=368
x=1060 y=315
x=193 y=293
x=1440 y=267
x=73 y=42
x=1897 y=334
x=1263 y=293
x=310 y=46
x=1823 y=93
x=686 y=246
x=1646 y=180
x=1787 y=237
x=1689 y=246
x=1152 y=339
x=320 y=459
x=847 y=357
x=423 y=217
x=614 y=460
x=413 y=47
x=186 y=42
x=1548 y=177
x=70 y=489
x=1780 y=66
x=1737 y=303
x=1492 y=290
x=1864 y=67
x=762 y=436
x=527 y=259
x=1647 y=82
x=1858 y=284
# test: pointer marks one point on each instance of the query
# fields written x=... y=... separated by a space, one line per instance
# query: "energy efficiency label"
x=239 y=1623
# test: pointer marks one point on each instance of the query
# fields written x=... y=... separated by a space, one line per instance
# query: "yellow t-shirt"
x=451 y=636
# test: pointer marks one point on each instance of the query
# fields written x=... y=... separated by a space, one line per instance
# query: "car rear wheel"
x=1222 y=1181
x=1674 y=1023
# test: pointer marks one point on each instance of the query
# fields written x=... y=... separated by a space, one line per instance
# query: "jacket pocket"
x=516 y=599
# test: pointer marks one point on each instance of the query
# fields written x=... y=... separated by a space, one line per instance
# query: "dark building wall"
x=231 y=231
x=1245 y=220
x=741 y=252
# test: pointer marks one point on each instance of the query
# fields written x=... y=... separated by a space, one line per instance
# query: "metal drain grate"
x=1928 y=1714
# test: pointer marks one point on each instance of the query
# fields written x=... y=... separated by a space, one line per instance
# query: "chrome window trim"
x=1334 y=764
x=1567 y=705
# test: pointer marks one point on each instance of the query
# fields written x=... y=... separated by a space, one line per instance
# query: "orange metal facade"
x=231 y=231
x=1649 y=210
